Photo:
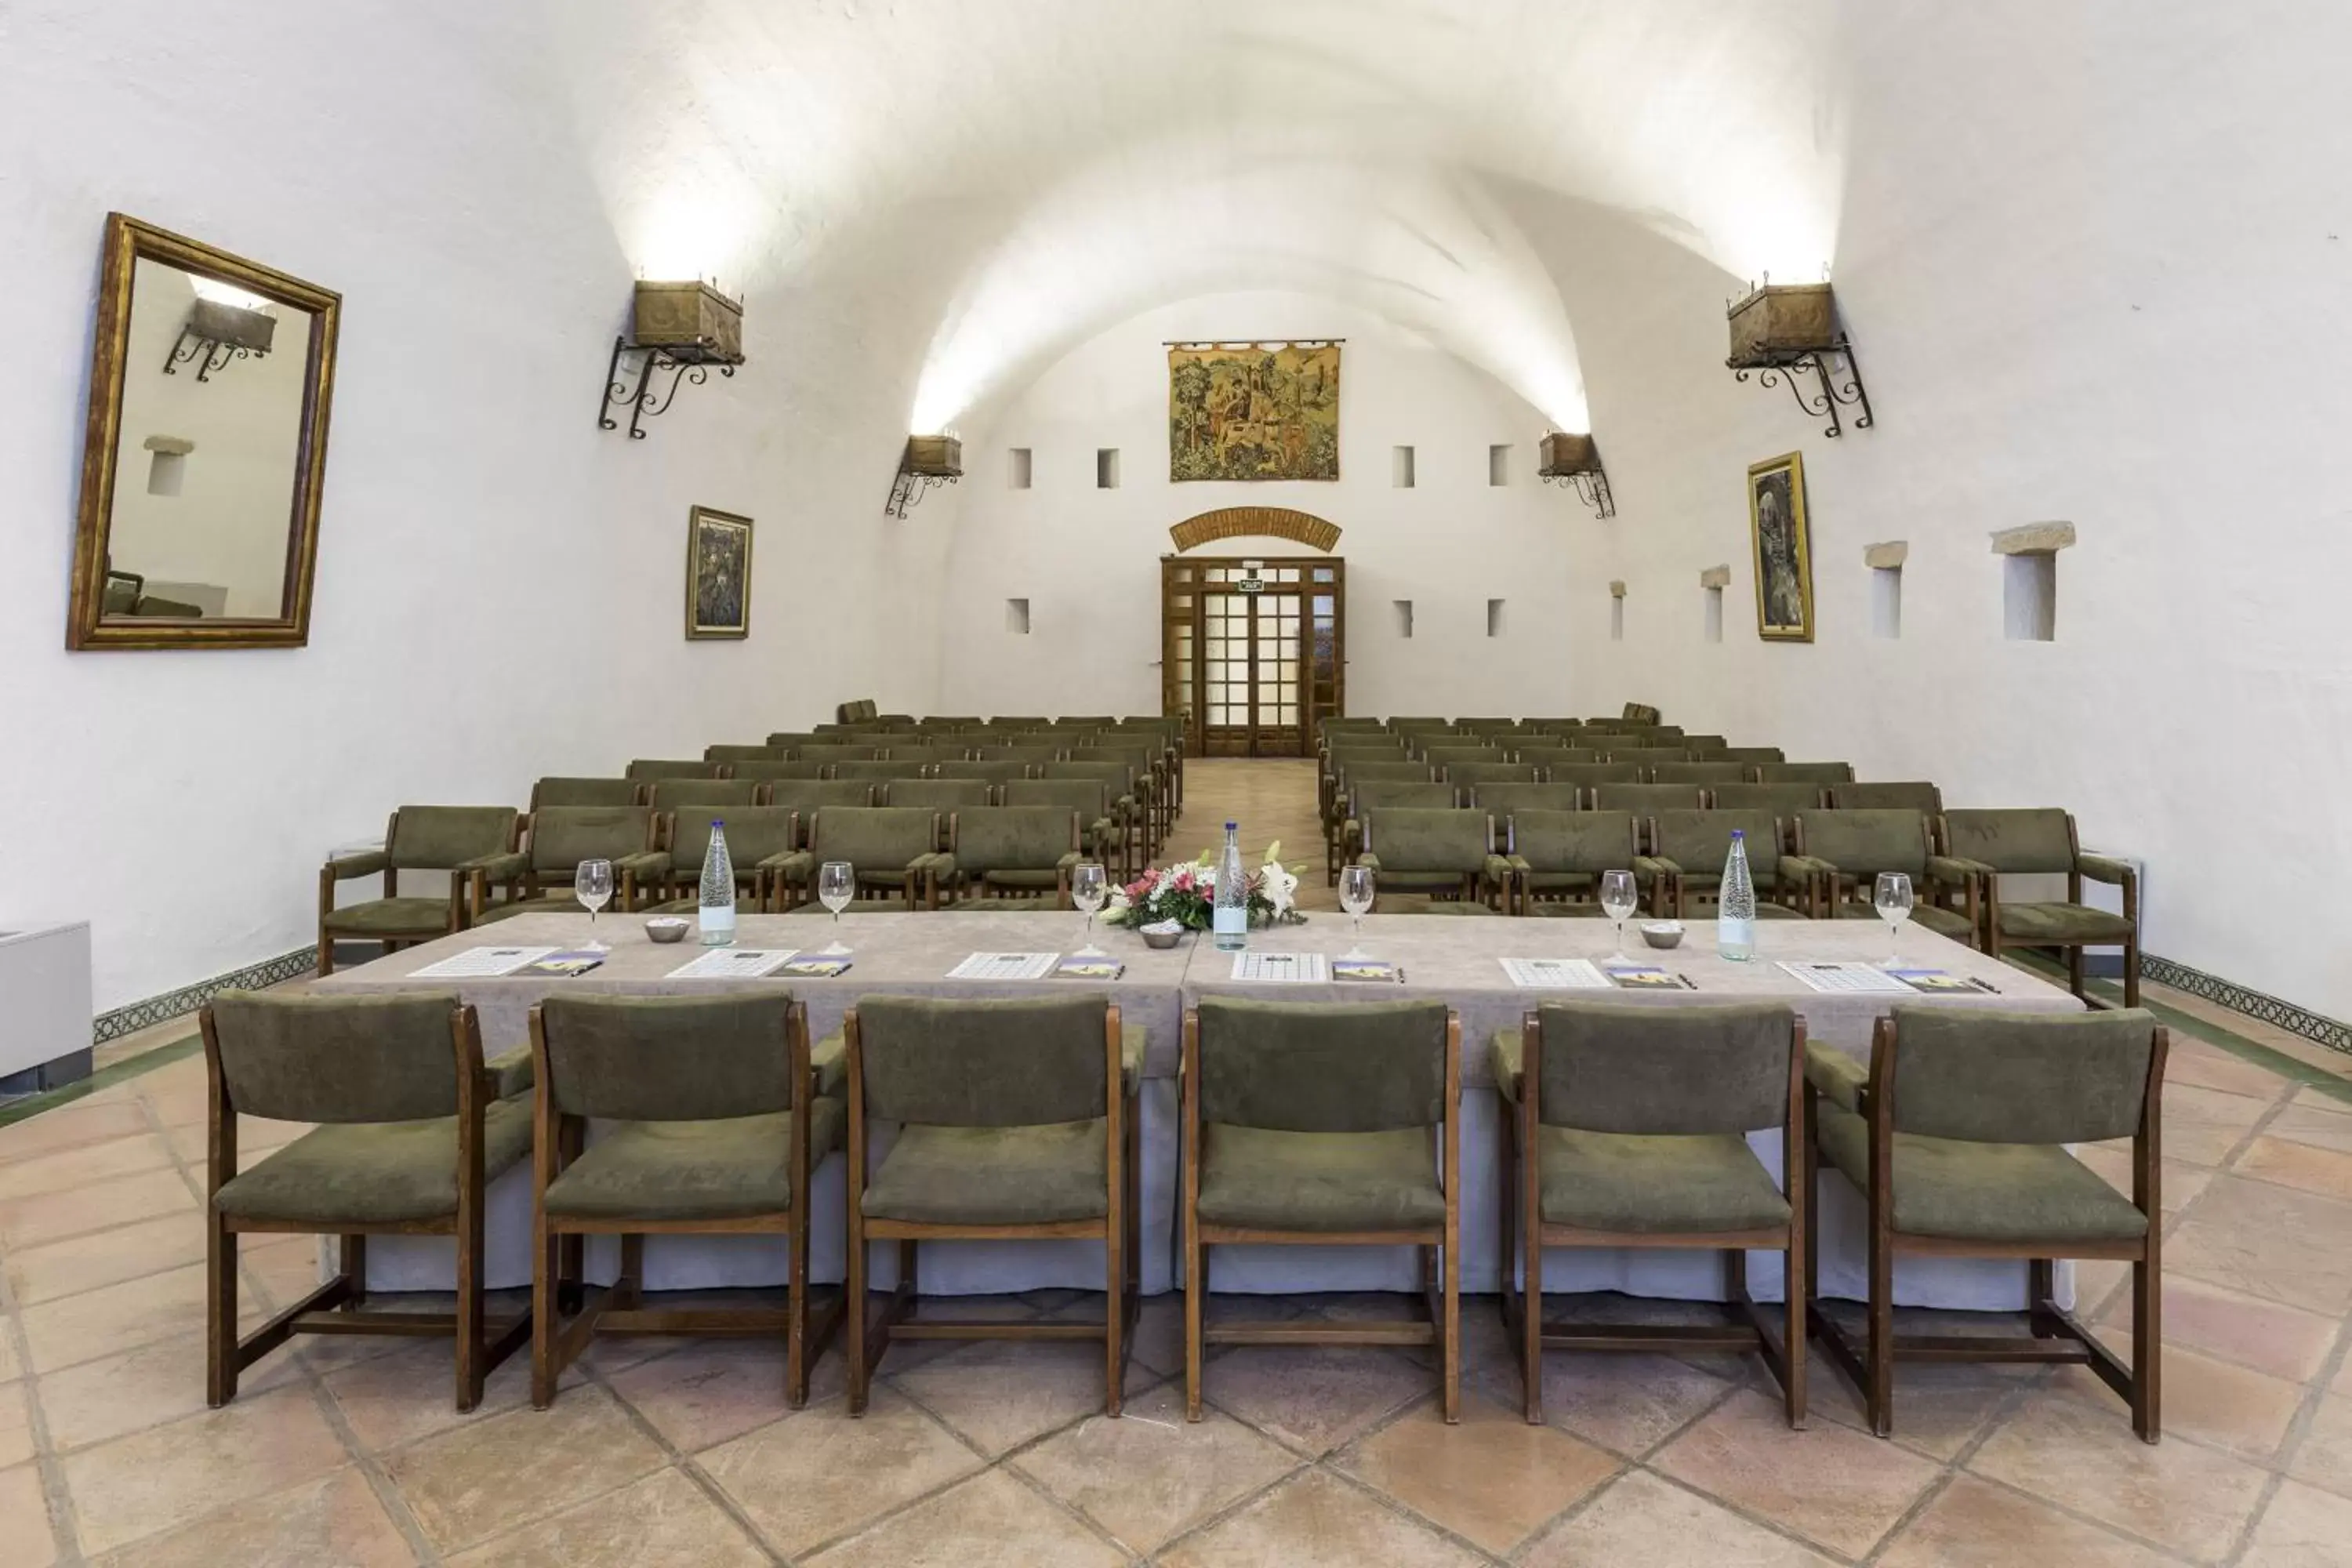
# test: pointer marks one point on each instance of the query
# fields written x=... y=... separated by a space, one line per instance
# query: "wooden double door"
x=1253 y=652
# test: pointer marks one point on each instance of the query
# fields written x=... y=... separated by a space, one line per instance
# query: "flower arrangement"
x=1187 y=894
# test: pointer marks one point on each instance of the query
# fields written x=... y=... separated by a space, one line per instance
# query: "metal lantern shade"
x=690 y=321
x=1565 y=454
x=1781 y=321
x=934 y=457
x=218 y=321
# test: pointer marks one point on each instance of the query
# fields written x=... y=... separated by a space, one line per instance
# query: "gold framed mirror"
x=210 y=378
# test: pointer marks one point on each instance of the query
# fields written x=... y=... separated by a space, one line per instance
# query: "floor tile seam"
x=1129 y=1391
x=2162 y=1549
x=70 y=1185
x=863 y=1526
x=680 y=1458
x=1382 y=1419
x=2103 y=1396
x=1238 y=1505
x=61 y=1519
x=2298 y=1428
x=2253 y=1135
x=1741 y=1511
x=1406 y=1510
x=1078 y=1516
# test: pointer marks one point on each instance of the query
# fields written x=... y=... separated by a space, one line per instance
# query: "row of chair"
x=1331 y=1124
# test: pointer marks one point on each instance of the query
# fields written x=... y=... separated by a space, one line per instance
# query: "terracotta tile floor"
x=667 y=1452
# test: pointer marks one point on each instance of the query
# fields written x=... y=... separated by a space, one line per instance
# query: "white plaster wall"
x=499 y=586
x=1088 y=558
x=2097 y=271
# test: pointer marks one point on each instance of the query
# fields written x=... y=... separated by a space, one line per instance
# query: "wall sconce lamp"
x=1574 y=462
x=681 y=329
x=928 y=460
x=219 y=330
x=1785 y=330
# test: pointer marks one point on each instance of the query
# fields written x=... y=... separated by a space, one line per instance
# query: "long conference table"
x=1456 y=958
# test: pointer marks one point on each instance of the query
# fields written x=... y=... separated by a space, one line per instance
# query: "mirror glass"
x=207 y=450
x=201 y=470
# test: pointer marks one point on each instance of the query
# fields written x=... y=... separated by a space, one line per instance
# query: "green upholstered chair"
x=1698 y=772
x=1648 y=757
x=1586 y=775
x=1691 y=847
x=1748 y=754
x=1558 y=727
x=895 y=850
x=411 y=1127
x=549 y=792
x=1780 y=799
x=1084 y=722
x=459 y=839
x=1366 y=793
x=1445 y=854
x=1841 y=853
x=1490 y=726
x=1022 y=756
x=2041 y=841
x=1421 y=723
x=691 y=795
x=1090 y=798
x=1644 y=799
x=1918 y=795
x=1640 y=713
x=1955 y=1135
x=955 y=722
x=993 y=772
x=837 y=751
x=560 y=837
x=1445 y=756
x=1017 y=1122
x=806 y=797
x=1706 y=748
x=874 y=772
x=943 y=795
x=1013 y=857
x=1021 y=721
x=1664 y=734
x=768 y=772
x=926 y=755
x=1801 y=772
x=1465 y=777
x=1500 y=800
x=1149 y=783
x=725 y=753
x=1128 y=809
x=1554 y=859
x=1336 y=764
x=758 y=839
x=674 y=1116
x=1323 y=1124
x=863 y=710
x=1626 y=1126
x=648 y=770
x=792 y=740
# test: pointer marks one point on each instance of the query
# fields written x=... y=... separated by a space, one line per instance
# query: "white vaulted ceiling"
x=1027 y=172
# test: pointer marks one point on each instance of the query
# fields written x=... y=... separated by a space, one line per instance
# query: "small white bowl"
x=1663 y=933
x=669 y=928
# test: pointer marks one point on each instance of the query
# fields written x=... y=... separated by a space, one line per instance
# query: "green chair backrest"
x=1028 y=1061
x=805 y=798
x=1021 y=753
x=669 y=1059
x=1014 y=837
x=1479 y=752
x=772 y=771
x=1559 y=756
x=2036 y=839
x=1386 y=771
x=1118 y=776
x=340 y=1058
x=743 y=753
x=695 y=795
x=1322 y=1067
x=1588 y=841
x=937 y=795
x=1862 y=843
x=1780 y=799
x=1372 y=794
x=1804 y=773
x=646 y=770
x=1918 y=796
x=1748 y=754
x=549 y=792
x=1469 y=775
x=879 y=840
x=1665 y=1072
x=815 y=752
x=874 y=772
x=1986 y=1076
x=1587 y=774
x=996 y=772
x=1698 y=772
x=1089 y=798
x=753 y=834
x=1644 y=799
x=1502 y=799
x=1415 y=838
x=1648 y=756
x=437 y=837
x=563 y=836
x=1700 y=842
x=1705 y=747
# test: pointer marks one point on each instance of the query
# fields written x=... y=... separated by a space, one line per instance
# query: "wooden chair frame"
x=2057 y=1335
x=558 y=1247
x=1524 y=1231
x=1119 y=1231
x=2071 y=951
x=338 y=1307
x=1439 y=1299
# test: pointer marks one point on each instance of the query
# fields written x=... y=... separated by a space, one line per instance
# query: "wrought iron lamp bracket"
x=1844 y=390
x=205 y=353
x=1592 y=487
x=909 y=489
x=644 y=396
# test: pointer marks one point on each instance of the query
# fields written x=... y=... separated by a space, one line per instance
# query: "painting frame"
x=1780 y=547
x=1253 y=413
x=718 y=575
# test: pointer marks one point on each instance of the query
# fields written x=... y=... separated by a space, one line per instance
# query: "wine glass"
x=1356 y=898
x=1893 y=897
x=1089 y=889
x=837 y=884
x=1618 y=900
x=591 y=884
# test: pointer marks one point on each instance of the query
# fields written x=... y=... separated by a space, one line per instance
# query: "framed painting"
x=1784 y=549
x=717 y=575
x=1254 y=411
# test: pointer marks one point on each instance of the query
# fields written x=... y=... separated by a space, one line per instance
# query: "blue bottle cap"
x=716 y=823
x=1738 y=833
x=1231 y=826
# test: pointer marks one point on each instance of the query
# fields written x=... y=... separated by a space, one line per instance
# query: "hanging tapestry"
x=1253 y=411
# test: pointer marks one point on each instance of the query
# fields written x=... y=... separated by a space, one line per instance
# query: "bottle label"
x=718 y=918
x=1735 y=938
x=1230 y=921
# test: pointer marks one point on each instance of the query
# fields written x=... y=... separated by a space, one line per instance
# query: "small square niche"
x=1016 y=616
x=1886 y=602
x=1400 y=468
x=1494 y=617
x=1616 y=612
x=1404 y=617
x=1018 y=470
x=1106 y=467
x=1498 y=464
x=2029 y=579
x=1714 y=612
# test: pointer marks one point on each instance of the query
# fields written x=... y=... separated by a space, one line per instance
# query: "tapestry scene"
x=1253 y=411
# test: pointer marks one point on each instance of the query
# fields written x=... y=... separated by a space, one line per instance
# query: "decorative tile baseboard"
x=138 y=1016
x=2329 y=1032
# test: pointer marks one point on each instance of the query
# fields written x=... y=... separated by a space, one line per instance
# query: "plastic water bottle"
x=1230 y=906
x=718 y=912
x=1735 y=911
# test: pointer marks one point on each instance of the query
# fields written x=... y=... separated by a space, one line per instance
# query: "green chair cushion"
x=1655 y=1186
x=692 y=1169
x=369 y=1173
x=2061 y=923
x=993 y=1175
x=1260 y=1179
x=390 y=917
x=1984 y=1191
